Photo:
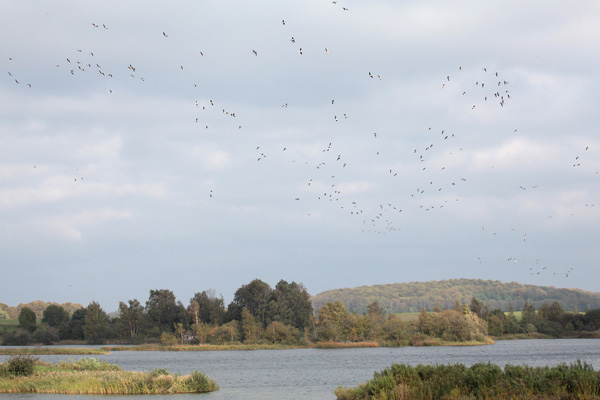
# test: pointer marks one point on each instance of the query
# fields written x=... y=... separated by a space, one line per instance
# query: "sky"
x=197 y=145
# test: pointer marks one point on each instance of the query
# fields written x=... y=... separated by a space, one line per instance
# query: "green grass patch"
x=8 y=325
x=91 y=376
x=37 y=351
x=480 y=381
x=408 y=316
x=517 y=314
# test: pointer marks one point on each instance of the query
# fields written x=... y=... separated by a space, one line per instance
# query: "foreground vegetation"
x=90 y=376
x=480 y=381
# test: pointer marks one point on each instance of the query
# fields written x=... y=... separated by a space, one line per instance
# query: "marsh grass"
x=480 y=381
x=36 y=351
x=91 y=376
x=345 y=345
x=202 y=347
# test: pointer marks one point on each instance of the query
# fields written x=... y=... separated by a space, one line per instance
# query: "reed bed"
x=202 y=347
x=38 y=351
x=480 y=381
x=345 y=345
x=90 y=376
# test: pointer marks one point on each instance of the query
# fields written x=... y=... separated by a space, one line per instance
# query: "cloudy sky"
x=195 y=145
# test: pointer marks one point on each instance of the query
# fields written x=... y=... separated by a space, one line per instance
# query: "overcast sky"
x=195 y=145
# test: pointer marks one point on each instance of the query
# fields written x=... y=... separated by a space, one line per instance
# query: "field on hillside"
x=407 y=316
x=7 y=325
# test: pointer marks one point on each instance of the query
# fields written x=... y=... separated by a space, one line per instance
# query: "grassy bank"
x=480 y=381
x=90 y=376
x=37 y=351
x=202 y=347
x=345 y=345
x=263 y=346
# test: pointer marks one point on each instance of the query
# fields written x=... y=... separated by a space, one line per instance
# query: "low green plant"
x=90 y=364
x=159 y=371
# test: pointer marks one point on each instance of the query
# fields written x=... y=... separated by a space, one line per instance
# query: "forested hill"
x=413 y=296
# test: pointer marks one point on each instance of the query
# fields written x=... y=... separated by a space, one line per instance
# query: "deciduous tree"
x=55 y=315
x=27 y=319
x=96 y=327
x=255 y=296
x=131 y=314
x=162 y=309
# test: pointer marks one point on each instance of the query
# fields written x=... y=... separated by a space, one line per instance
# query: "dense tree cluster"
x=284 y=314
x=550 y=319
x=257 y=313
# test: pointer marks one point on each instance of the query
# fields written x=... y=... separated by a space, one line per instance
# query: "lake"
x=304 y=374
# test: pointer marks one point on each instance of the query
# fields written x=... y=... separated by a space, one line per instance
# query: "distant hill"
x=413 y=296
x=37 y=307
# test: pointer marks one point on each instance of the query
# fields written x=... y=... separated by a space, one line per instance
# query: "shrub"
x=21 y=365
x=17 y=338
x=45 y=336
x=168 y=339
x=159 y=371
x=198 y=382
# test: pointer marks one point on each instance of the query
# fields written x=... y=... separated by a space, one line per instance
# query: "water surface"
x=304 y=374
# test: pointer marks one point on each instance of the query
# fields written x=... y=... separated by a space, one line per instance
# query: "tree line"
x=257 y=312
x=549 y=319
x=284 y=314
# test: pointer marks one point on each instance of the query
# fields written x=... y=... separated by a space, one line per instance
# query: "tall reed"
x=480 y=381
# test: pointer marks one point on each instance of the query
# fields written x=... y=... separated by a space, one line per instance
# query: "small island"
x=27 y=374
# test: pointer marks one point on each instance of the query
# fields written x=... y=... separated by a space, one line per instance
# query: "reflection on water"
x=314 y=374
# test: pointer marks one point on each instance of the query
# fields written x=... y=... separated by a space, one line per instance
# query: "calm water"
x=314 y=374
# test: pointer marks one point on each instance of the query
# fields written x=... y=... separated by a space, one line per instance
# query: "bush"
x=198 y=382
x=159 y=371
x=21 y=365
x=45 y=336
x=168 y=339
x=17 y=338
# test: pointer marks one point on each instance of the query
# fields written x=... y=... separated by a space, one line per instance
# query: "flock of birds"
x=439 y=185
